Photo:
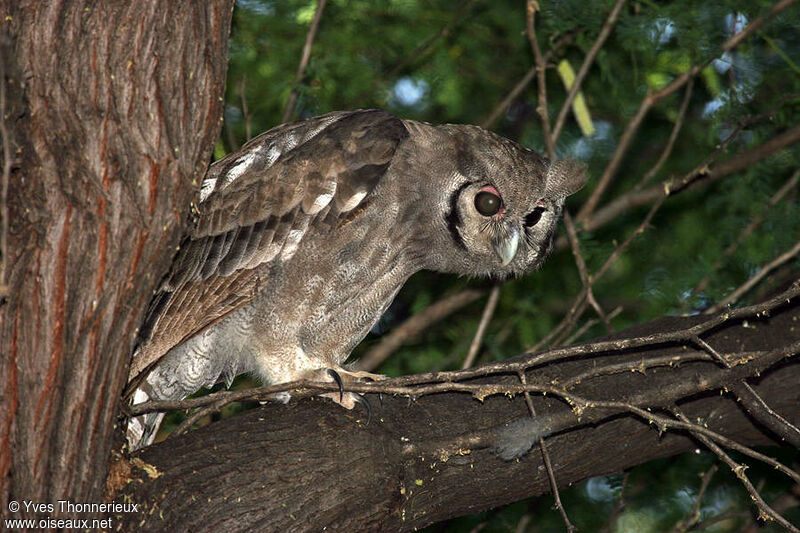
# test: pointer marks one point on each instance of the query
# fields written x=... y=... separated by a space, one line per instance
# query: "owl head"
x=498 y=202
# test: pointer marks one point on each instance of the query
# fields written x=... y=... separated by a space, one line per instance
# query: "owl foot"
x=348 y=400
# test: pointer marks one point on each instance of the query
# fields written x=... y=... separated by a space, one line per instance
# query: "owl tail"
x=182 y=372
x=142 y=429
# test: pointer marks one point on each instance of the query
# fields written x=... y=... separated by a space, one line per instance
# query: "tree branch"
x=312 y=464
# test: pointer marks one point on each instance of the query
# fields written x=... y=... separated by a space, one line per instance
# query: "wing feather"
x=256 y=205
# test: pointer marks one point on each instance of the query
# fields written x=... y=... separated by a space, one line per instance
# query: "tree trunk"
x=311 y=465
x=111 y=110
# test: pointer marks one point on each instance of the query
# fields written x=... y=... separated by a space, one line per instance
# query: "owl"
x=302 y=238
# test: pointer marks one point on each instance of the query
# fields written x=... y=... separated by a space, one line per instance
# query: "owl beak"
x=506 y=244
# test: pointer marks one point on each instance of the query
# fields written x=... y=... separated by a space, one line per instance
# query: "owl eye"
x=532 y=218
x=487 y=203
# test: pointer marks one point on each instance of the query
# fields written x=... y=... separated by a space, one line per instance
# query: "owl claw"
x=363 y=401
x=338 y=379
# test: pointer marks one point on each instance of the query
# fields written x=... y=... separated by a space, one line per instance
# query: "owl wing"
x=256 y=205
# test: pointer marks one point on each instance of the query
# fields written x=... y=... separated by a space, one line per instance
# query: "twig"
x=694 y=515
x=288 y=111
x=486 y=317
x=756 y=24
x=588 y=324
x=723 y=169
x=611 y=169
x=530 y=10
x=790 y=184
x=699 y=430
x=673 y=136
x=642 y=366
x=582 y=300
x=727 y=515
x=412 y=327
x=510 y=97
x=587 y=63
x=524 y=521
x=547 y=463
x=536 y=359
x=459 y=14
x=186 y=425
x=247 y=118
x=758 y=409
x=556 y=335
x=619 y=505
x=572 y=235
x=422 y=384
x=750 y=283
x=754 y=404
x=654 y=97
x=525 y=81
x=765 y=511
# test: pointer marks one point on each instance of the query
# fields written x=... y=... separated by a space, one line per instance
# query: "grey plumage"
x=303 y=237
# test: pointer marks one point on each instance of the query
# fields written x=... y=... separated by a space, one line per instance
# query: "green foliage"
x=455 y=61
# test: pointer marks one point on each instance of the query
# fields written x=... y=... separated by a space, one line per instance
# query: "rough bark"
x=112 y=111
x=311 y=465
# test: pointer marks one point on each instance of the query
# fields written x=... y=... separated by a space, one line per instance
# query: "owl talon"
x=338 y=379
x=363 y=401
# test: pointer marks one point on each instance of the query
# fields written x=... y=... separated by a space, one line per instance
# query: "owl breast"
x=321 y=304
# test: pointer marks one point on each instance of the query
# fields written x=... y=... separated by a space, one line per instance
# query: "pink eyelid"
x=489 y=188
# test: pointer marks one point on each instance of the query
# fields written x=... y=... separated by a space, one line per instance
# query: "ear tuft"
x=565 y=177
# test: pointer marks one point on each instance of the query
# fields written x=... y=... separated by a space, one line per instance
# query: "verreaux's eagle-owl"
x=302 y=238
